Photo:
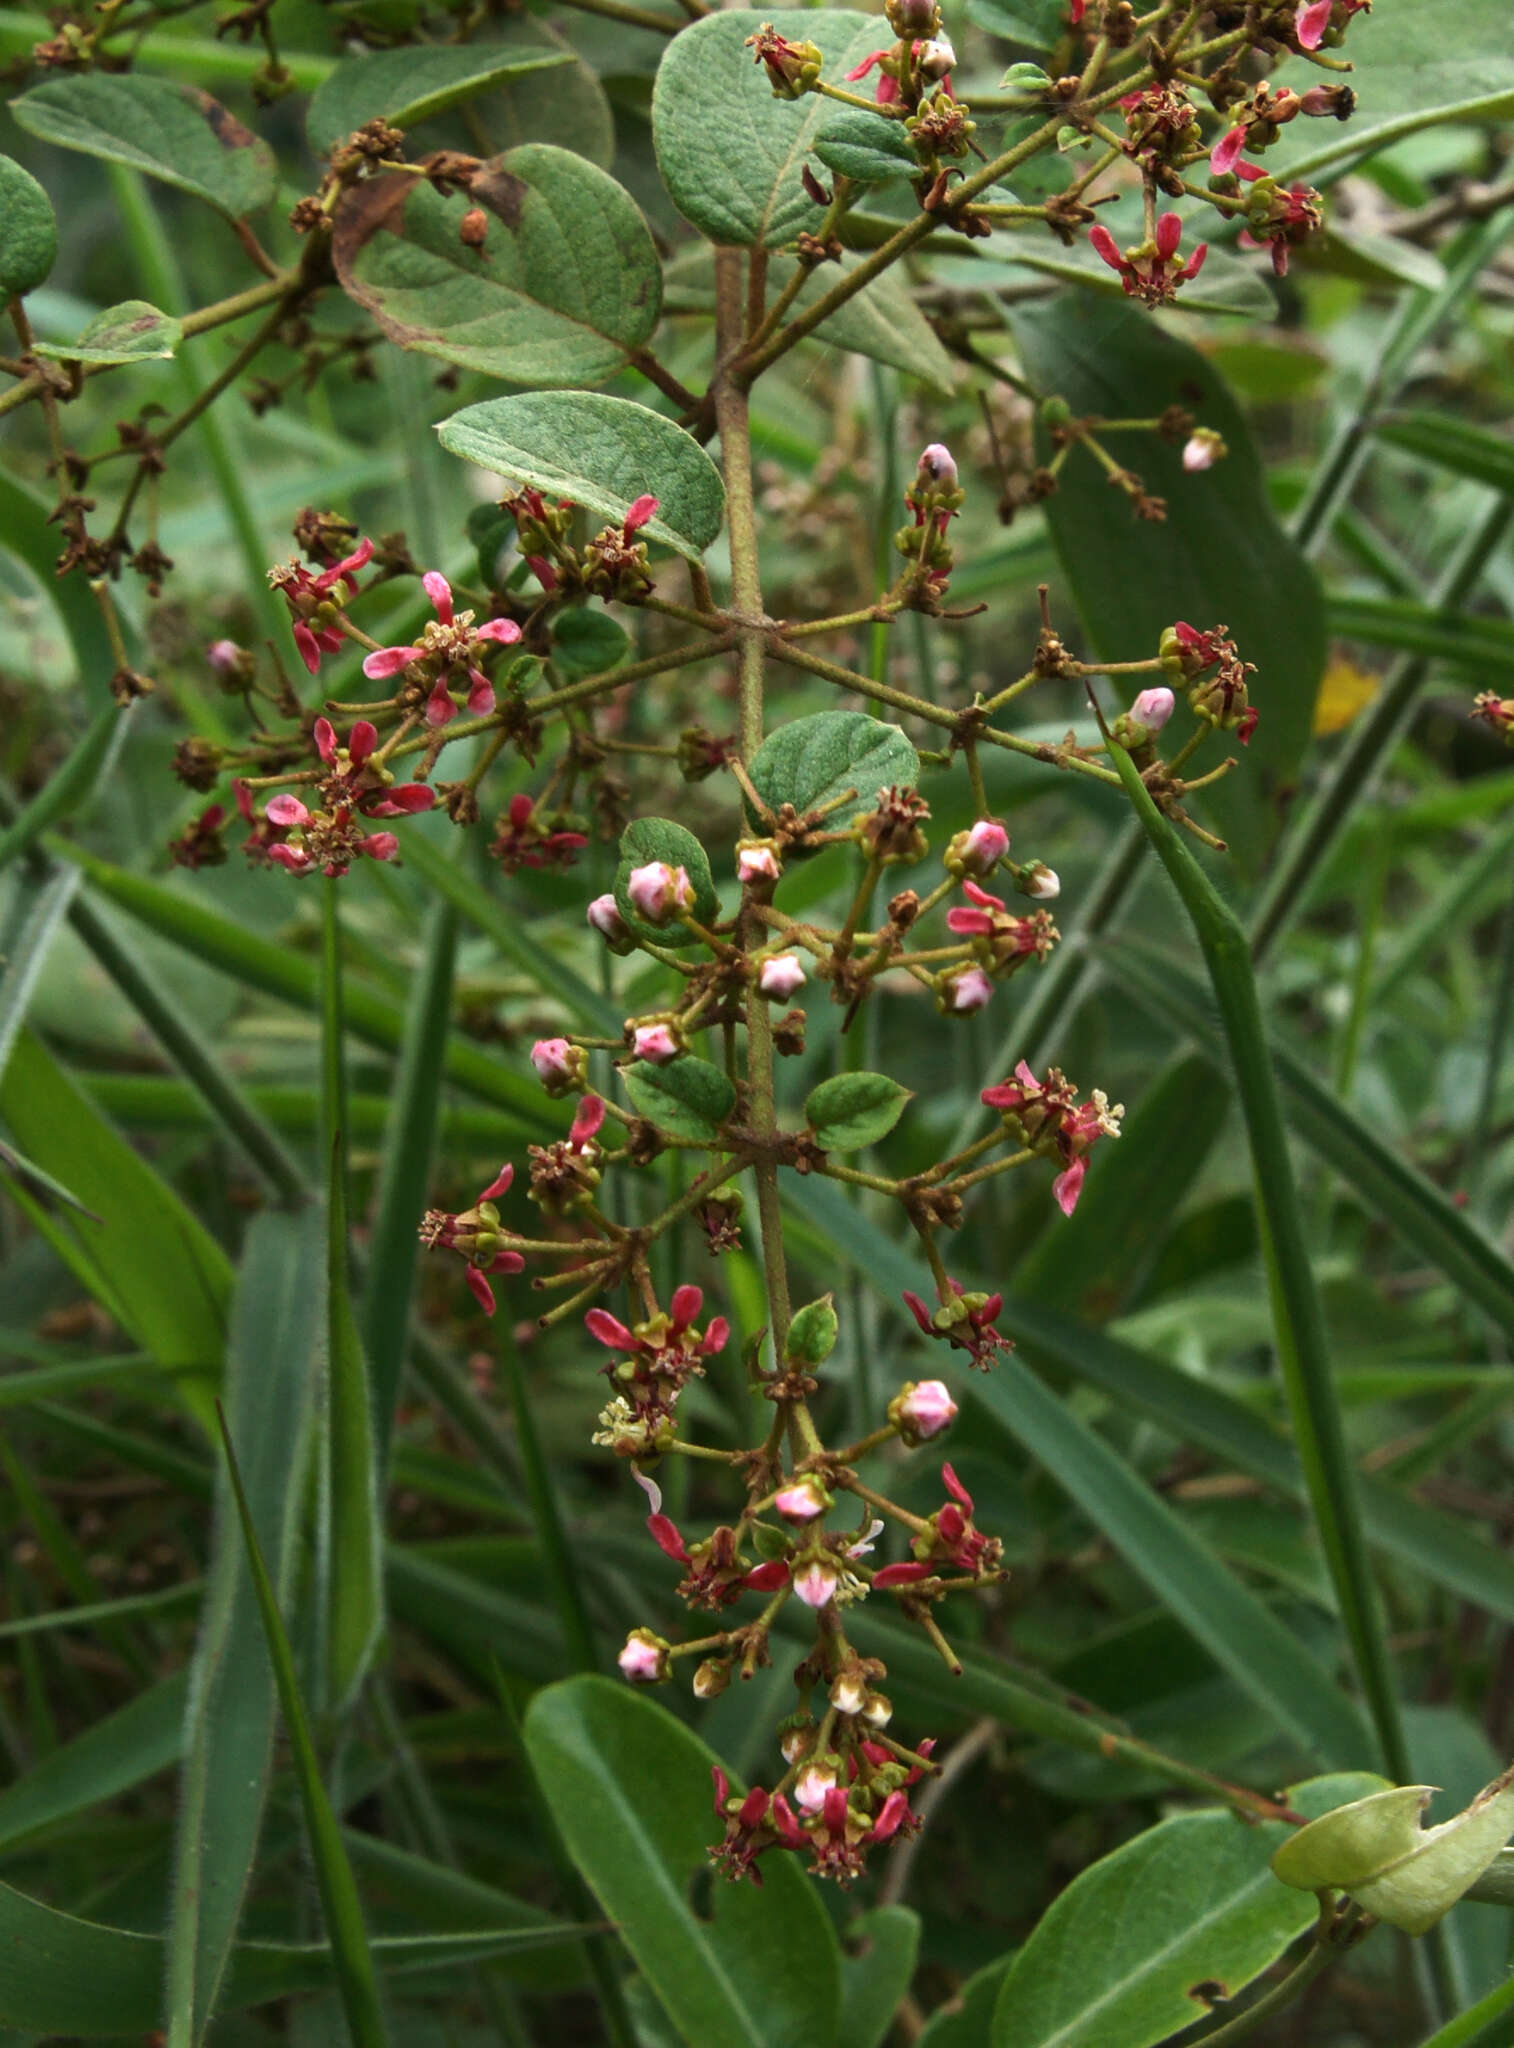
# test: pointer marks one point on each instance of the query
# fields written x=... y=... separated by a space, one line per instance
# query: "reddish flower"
x=1280 y=220
x=351 y=778
x=328 y=840
x=966 y=1321
x=475 y=1234
x=1051 y=1122
x=450 y=642
x=1151 y=271
x=1002 y=940
x=313 y=604
x=522 y=840
x=886 y=90
x=200 y=845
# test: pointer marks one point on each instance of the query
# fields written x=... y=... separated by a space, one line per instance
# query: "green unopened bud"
x=812 y=1333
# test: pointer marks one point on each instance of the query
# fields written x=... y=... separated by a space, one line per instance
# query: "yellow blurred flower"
x=1345 y=692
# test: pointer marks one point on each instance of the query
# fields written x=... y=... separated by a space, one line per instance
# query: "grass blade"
x=228 y=1748
x=116 y=1754
x=1430 y=1224
x=1298 y=1320
x=341 y=1908
x=26 y=954
x=563 y=1577
x=70 y=783
x=351 y=1572
x=405 y=1172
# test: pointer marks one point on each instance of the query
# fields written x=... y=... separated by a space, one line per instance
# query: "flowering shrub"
x=759 y=824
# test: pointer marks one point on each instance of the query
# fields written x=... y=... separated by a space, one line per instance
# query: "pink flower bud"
x=644 y=1660
x=605 y=917
x=656 y=1043
x=781 y=976
x=811 y=1787
x=816 y=1584
x=801 y=1502
x=560 y=1066
x=971 y=991
x=1153 y=708
x=922 y=1410
x=984 y=847
x=224 y=656
x=848 y=1694
x=658 y=890
x=1203 y=450
x=758 y=863
x=938 y=466
x=934 y=60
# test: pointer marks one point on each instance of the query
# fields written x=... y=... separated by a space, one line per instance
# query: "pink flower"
x=1151 y=272
x=522 y=840
x=984 y=845
x=658 y=890
x=1052 y=1121
x=963 y=1320
x=811 y=1787
x=758 y=863
x=560 y=1066
x=1202 y=450
x=801 y=1502
x=968 y=991
x=781 y=976
x=1153 y=708
x=922 y=1410
x=1008 y=940
x=328 y=840
x=586 y=1124
x=816 y=1584
x=887 y=89
x=476 y=1236
x=1310 y=23
x=656 y=1043
x=450 y=641
x=225 y=657
x=604 y=914
x=644 y=1660
x=312 y=606
x=351 y=778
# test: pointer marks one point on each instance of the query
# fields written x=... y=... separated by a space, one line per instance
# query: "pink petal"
x=719 y=1331
x=381 y=846
x=956 y=1489
x=609 y=1330
x=1169 y=233
x=483 y=1293
x=665 y=1535
x=1226 y=152
x=835 y=1809
x=864 y=67
x=766 y=1578
x=499 y=1185
x=295 y=858
x=591 y=1114
x=1195 y=262
x=1067 y=1186
x=404 y=801
x=685 y=1305
x=361 y=742
x=1310 y=23
x=388 y=661
x=900 y=1574
x=481 y=696
x=439 y=590
x=505 y=630
x=642 y=509
x=1104 y=245
x=287 y=810
x=440 y=709
x=967 y=923
x=325 y=739
x=891 y=1815
x=307 y=647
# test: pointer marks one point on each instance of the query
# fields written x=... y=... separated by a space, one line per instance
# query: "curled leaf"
x=1376 y=1850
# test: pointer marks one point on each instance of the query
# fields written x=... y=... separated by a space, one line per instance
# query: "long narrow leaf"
x=1298 y=1321
x=228 y=1747
x=115 y=1755
x=355 y=1593
x=341 y=1907
x=405 y=1171
x=70 y=783
x=1429 y=1223
x=26 y=954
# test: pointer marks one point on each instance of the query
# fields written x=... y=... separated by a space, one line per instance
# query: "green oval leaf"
x=133 y=332
x=601 y=452
x=649 y=839
x=413 y=84
x=1219 y=557
x=688 y=1097
x=867 y=148
x=813 y=1331
x=853 y=1110
x=812 y=763
x=28 y=231
x=709 y=92
x=565 y=285
x=172 y=132
x=586 y=642
x=1118 y=1959
x=763 y=1967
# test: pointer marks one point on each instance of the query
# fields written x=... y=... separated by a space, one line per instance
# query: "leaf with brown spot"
x=563 y=287
x=133 y=332
x=169 y=131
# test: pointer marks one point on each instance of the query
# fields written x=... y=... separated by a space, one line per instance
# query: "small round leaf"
x=28 y=231
x=853 y=1110
x=813 y=762
x=688 y=1097
x=649 y=839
